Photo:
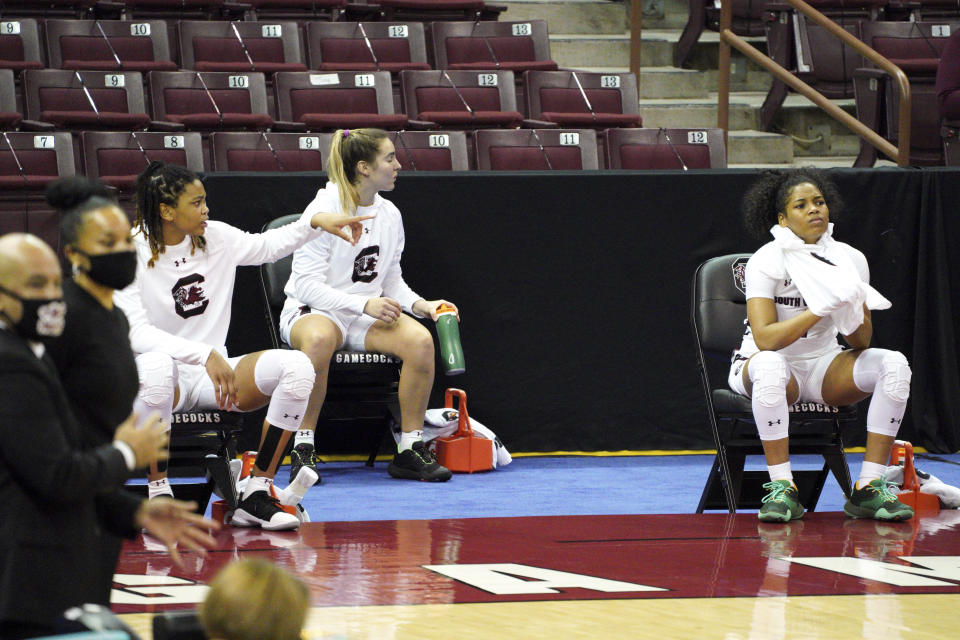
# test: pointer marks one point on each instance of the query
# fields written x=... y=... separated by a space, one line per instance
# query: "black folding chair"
x=718 y=316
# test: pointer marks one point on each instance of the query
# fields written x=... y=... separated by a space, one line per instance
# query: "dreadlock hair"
x=74 y=197
x=767 y=197
x=347 y=148
x=161 y=183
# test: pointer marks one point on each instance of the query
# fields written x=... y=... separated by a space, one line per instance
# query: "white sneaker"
x=260 y=509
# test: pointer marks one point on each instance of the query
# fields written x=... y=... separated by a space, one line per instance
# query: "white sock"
x=407 y=438
x=304 y=436
x=780 y=472
x=159 y=487
x=869 y=471
x=256 y=483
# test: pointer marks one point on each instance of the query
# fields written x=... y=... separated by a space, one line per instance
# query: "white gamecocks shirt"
x=181 y=305
x=329 y=274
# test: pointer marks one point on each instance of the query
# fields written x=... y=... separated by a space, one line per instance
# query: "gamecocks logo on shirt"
x=365 y=264
x=739 y=274
x=188 y=296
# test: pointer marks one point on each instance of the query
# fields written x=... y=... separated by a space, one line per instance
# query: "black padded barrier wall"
x=574 y=290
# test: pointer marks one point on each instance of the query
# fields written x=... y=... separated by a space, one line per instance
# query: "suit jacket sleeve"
x=116 y=511
x=31 y=424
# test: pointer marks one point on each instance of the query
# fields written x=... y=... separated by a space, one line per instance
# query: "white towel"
x=827 y=278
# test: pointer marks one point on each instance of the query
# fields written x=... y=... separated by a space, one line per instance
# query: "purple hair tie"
x=346 y=133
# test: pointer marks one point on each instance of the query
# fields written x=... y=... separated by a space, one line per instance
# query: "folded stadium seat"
x=435 y=10
x=84 y=100
x=461 y=99
x=933 y=9
x=814 y=54
x=210 y=101
x=220 y=45
x=184 y=9
x=514 y=46
x=431 y=150
x=9 y=116
x=269 y=151
x=582 y=99
x=750 y=18
x=49 y=8
x=915 y=47
x=20 y=44
x=298 y=9
x=28 y=163
x=536 y=149
x=116 y=158
x=103 y=45
x=366 y=46
x=665 y=148
x=342 y=100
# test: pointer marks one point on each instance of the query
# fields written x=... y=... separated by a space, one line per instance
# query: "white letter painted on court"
x=932 y=572
x=500 y=579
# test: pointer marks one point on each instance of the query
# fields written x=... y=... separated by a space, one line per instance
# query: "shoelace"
x=776 y=490
x=885 y=489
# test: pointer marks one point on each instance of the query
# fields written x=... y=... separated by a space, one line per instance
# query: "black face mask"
x=41 y=317
x=115 y=270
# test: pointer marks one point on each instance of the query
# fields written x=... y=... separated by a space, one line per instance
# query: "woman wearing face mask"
x=93 y=354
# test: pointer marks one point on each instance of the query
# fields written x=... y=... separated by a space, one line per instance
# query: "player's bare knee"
x=319 y=348
x=419 y=350
x=769 y=373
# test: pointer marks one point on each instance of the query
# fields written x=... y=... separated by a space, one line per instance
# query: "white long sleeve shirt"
x=181 y=305
x=331 y=275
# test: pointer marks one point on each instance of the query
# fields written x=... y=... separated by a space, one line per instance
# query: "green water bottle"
x=448 y=330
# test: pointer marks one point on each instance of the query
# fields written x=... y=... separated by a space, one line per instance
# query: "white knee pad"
x=887 y=375
x=769 y=374
x=877 y=369
x=158 y=381
x=287 y=377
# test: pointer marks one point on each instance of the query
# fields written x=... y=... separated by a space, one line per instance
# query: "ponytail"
x=74 y=197
x=349 y=147
x=160 y=183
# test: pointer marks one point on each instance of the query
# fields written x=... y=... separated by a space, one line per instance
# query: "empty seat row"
x=274 y=46
x=30 y=161
x=322 y=101
x=422 y=10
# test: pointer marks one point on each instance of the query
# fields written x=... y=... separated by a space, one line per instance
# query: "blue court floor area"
x=561 y=485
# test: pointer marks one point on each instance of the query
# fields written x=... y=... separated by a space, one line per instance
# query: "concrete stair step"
x=670 y=82
x=821 y=162
x=760 y=147
x=571 y=16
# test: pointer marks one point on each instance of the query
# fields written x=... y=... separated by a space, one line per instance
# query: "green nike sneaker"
x=877 y=500
x=781 y=504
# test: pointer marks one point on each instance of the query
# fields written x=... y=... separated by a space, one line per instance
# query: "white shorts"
x=809 y=373
x=196 y=387
x=353 y=328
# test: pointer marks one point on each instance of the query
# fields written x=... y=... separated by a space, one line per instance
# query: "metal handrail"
x=900 y=154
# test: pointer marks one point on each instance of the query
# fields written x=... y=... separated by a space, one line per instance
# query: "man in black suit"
x=53 y=495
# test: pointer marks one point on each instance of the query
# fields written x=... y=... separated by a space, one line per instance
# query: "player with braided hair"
x=179 y=311
x=804 y=288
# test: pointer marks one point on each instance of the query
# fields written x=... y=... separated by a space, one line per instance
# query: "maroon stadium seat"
x=341 y=46
x=270 y=151
x=210 y=101
x=85 y=99
x=9 y=116
x=186 y=9
x=515 y=46
x=431 y=150
x=583 y=99
x=432 y=10
x=220 y=45
x=915 y=47
x=37 y=160
x=97 y=45
x=19 y=44
x=298 y=9
x=338 y=100
x=665 y=149
x=536 y=149
x=461 y=99
x=49 y=8
x=116 y=158
x=750 y=18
